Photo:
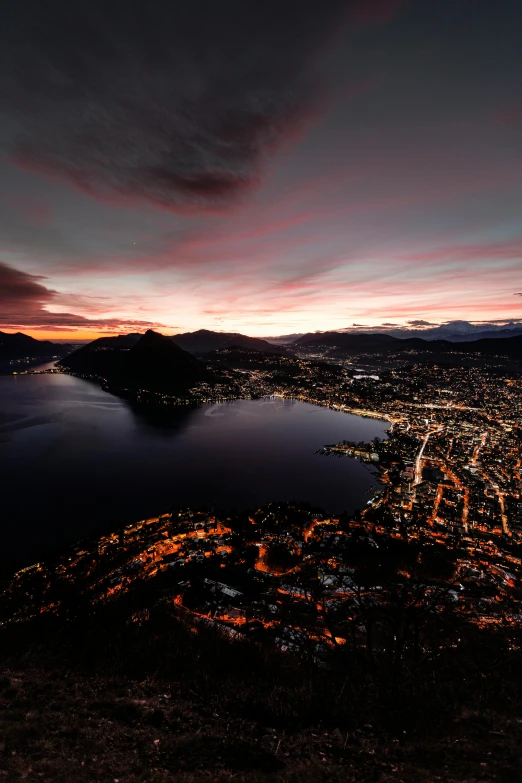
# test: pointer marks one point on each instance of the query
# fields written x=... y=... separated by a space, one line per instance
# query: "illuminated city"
x=450 y=479
x=260 y=391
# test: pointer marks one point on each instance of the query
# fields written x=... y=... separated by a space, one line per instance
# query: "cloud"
x=510 y=249
x=419 y=322
x=177 y=103
x=24 y=301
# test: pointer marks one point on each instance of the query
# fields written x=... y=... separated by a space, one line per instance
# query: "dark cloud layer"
x=174 y=102
x=19 y=290
x=24 y=300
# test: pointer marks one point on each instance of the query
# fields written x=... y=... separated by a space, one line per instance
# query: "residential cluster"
x=442 y=534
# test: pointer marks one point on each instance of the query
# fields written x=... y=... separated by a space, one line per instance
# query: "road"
x=418 y=461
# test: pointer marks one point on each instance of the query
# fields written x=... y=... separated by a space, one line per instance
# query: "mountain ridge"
x=23 y=349
x=152 y=361
x=453 y=331
x=346 y=342
x=204 y=341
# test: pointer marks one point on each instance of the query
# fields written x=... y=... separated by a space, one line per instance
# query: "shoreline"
x=169 y=399
x=158 y=403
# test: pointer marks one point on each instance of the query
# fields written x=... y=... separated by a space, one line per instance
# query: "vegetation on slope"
x=102 y=698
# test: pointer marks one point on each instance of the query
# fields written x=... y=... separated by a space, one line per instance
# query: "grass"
x=160 y=703
x=95 y=729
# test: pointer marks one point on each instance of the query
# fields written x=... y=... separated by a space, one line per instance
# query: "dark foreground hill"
x=150 y=361
x=203 y=341
x=153 y=700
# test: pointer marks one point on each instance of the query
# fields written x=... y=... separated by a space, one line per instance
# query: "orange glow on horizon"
x=288 y=323
x=75 y=335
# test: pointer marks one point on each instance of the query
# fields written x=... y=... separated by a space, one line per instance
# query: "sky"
x=268 y=168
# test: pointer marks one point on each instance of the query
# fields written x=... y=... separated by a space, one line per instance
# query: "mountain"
x=344 y=343
x=203 y=341
x=460 y=331
x=150 y=361
x=19 y=347
x=502 y=346
x=284 y=339
x=493 y=346
x=454 y=331
x=237 y=357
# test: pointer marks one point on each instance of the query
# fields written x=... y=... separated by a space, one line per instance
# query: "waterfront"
x=75 y=459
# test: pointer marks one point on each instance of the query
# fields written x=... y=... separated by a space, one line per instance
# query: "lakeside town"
x=453 y=456
x=441 y=537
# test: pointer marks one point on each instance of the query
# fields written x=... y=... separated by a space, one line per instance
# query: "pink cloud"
x=502 y=250
x=25 y=301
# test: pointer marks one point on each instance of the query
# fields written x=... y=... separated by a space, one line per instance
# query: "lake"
x=75 y=459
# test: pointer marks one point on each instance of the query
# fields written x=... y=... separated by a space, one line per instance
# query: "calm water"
x=74 y=459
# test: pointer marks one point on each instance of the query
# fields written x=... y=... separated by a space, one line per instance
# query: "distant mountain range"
x=460 y=331
x=356 y=342
x=20 y=347
x=150 y=361
x=203 y=341
x=454 y=331
x=344 y=343
x=285 y=339
x=173 y=363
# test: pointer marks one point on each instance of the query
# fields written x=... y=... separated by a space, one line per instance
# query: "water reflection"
x=74 y=458
x=161 y=420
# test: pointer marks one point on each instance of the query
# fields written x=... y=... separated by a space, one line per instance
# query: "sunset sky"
x=268 y=168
